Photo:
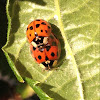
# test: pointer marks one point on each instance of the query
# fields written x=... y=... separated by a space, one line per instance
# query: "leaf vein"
x=68 y=49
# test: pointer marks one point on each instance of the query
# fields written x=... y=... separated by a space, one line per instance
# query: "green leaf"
x=41 y=94
x=6 y=54
x=76 y=25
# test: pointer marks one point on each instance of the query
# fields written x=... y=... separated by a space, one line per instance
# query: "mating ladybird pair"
x=44 y=46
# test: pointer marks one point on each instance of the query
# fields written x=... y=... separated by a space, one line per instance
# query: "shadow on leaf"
x=57 y=34
x=15 y=17
x=39 y=2
x=20 y=67
x=47 y=88
x=15 y=23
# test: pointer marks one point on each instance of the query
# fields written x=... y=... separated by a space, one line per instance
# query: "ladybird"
x=48 y=54
x=38 y=29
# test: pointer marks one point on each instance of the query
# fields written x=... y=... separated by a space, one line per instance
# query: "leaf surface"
x=76 y=24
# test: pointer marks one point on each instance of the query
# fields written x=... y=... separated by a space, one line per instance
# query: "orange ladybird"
x=48 y=54
x=38 y=28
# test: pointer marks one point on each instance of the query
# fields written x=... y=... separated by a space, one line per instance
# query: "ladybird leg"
x=40 y=45
x=34 y=44
x=47 y=67
x=54 y=63
x=45 y=40
x=48 y=63
x=37 y=37
x=43 y=66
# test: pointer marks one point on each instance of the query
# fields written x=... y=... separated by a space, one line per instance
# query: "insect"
x=38 y=29
x=44 y=46
x=48 y=54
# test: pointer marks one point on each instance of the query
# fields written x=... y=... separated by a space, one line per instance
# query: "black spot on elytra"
x=52 y=54
x=37 y=20
x=39 y=57
x=49 y=27
x=30 y=34
x=43 y=23
x=46 y=31
x=34 y=48
x=35 y=59
x=27 y=28
x=48 y=48
x=41 y=30
x=31 y=28
x=37 y=25
x=46 y=58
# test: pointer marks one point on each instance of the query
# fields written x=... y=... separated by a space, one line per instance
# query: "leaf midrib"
x=68 y=49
